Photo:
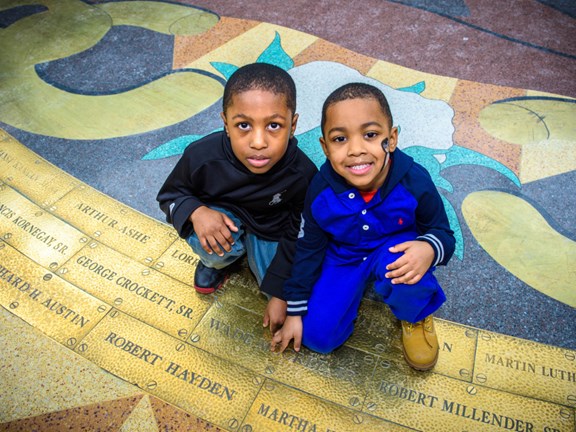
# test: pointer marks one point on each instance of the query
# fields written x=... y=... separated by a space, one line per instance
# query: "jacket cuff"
x=297 y=307
x=181 y=216
x=272 y=285
x=437 y=246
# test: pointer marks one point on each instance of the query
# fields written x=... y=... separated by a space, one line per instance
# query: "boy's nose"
x=258 y=140
x=355 y=146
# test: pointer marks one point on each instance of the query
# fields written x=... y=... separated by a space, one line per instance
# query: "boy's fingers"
x=407 y=278
x=414 y=279
x=206 y=246
x=230 y=224
x=273 y=343
x=284 y=345
x=396 y=264
x=213 y=244
x=225 y=240
x=402 y=246
x=297 y=343
x=274 y=326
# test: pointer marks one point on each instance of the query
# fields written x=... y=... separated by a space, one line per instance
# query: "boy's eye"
x=339 y=139
x=274 y=126
x=243 y=126
x=371 y=135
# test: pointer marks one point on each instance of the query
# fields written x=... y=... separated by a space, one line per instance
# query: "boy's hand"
x=275 y=314
x=213 y=229
x=292 y=329
x=413 y=264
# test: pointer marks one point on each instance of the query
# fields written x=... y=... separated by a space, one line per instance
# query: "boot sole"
x=210 y=290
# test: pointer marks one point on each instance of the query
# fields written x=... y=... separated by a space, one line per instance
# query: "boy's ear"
x=393 y=139
x=223 y=116
x=294 y=123
x=324 y=147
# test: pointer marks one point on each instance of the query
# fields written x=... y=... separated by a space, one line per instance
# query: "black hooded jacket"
x=269 y=205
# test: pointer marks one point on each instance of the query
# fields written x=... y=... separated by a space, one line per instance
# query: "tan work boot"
x=420 y=344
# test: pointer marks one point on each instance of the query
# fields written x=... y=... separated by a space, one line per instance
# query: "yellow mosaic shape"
x=167 y=18
x=517 y=236
x=545 y=130
x=247 y=47
x=396 y=76
x=67 y=28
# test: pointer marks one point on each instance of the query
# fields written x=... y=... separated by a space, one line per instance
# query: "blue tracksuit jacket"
x=338 y=227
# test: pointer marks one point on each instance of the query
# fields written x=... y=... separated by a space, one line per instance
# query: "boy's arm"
x=433 y=224
x=177 y=197
x=310 y=251
x=435 y=243
x=275 y=314
x=281 y=266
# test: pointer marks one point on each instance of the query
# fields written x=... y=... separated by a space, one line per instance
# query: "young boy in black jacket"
x=242 y=190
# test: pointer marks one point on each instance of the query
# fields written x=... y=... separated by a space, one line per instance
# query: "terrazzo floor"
x=111 y=92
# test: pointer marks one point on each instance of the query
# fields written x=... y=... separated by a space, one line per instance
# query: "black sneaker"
x=207 y=280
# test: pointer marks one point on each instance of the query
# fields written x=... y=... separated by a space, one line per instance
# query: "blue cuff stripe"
x=437 y=245
x=300 y=309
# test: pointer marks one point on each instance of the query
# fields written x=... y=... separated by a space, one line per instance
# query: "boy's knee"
x=237 y=250
x=318 y=343
x=323 y=337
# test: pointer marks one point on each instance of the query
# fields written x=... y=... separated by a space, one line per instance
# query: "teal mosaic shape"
x=457 y=155
x=225 y=69
x=274 y=54
x=309 y=143
x=455 y=225
x=416 y=88
x=425 y=156
x=173 y=147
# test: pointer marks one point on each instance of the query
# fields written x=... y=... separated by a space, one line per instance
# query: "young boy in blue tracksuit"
x=371 y=214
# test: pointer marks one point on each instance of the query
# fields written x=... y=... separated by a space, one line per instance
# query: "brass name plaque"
x=282 y=408
x=431 y=402
x=179 y=261
x=242 y=290
x=378 y=331
x=135 y=289
x=43 y=300
x=30 y=174
x=525 y=367
x=238 y=336
x=457 y=345
x=196 y=381
x=114 y=224
x=35 y=232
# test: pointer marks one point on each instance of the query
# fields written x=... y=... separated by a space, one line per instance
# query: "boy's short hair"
x=356 y=90
x=260 y=76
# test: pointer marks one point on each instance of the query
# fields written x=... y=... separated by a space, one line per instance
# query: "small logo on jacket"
x=277 y=198
x=400 y=221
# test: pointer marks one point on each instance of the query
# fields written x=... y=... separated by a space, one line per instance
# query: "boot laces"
x=409 y=327
x=427 y=323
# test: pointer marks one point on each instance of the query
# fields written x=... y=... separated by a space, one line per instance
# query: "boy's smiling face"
x=259 y=124
x=352 y=142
